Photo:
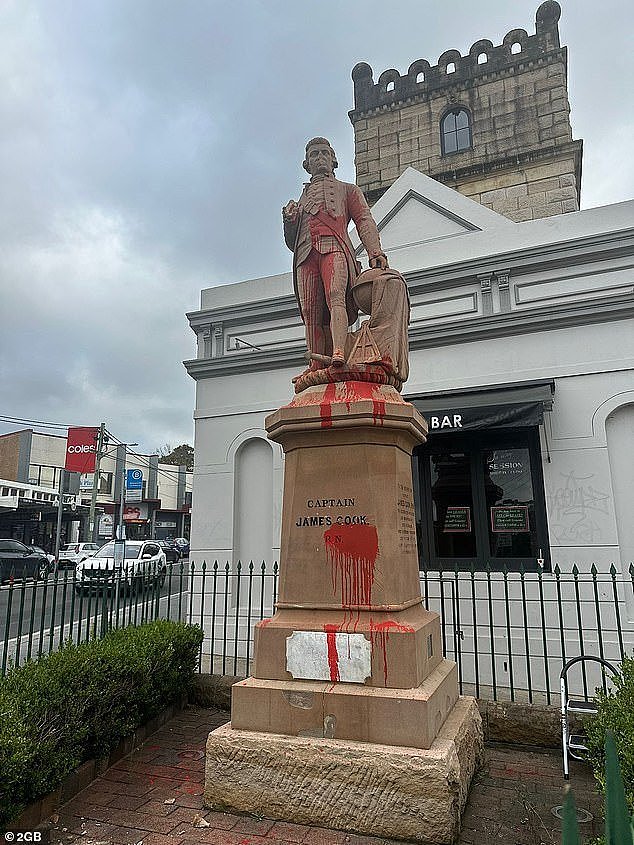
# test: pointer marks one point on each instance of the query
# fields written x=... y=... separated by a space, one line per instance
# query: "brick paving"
x=153 y=795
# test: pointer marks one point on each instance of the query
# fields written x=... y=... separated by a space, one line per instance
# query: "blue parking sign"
x=134 y=479
x=133 y=485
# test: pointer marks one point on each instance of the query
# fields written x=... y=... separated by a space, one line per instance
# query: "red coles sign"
x=81 y=449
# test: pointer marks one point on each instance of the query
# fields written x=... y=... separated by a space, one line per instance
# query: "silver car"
x=142 y=562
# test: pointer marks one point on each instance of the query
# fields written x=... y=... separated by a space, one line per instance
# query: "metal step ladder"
x=574 y=745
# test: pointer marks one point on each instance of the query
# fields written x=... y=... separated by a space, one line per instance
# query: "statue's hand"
x=379 y=261
x=290 y=210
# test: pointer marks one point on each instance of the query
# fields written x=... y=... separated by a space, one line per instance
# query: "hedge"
x=79 y=702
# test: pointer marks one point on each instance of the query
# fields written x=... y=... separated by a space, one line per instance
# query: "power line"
x=21 y=420
x=63 y=426
x=171 y=475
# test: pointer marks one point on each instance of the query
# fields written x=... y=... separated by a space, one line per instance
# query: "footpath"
x=154 y=797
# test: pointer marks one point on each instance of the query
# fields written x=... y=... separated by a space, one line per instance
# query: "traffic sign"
x=134 y=485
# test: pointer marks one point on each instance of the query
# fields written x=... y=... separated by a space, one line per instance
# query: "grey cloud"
x=146 y=147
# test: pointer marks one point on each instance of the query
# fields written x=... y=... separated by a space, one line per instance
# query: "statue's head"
x=320 y=157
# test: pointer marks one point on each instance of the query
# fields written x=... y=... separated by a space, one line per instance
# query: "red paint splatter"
x=352 y=551
x=357 y=391
x=189 y=788
x=347 y=391
x=380 y=634
x=333 y=654
x=262 y=623
x=325 y=407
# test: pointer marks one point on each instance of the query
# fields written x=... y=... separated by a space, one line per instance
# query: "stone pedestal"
x=380 y=790
x=350 y=667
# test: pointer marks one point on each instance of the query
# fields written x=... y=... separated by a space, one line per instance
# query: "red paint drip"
x=352 y=552
x=380 y=634
x=333 y=654
x=378 y=411
x=325 y=407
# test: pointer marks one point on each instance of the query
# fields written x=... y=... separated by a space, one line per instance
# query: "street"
x=36 y=616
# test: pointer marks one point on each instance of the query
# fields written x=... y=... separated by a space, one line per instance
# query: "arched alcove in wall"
x=253 y=502
x=619 y=430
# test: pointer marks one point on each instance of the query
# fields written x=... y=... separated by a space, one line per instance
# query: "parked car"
x=182 y=544
x=144 y=562
x=73 y=553
x=172 y=554
x=20 y=561
x=49 y=558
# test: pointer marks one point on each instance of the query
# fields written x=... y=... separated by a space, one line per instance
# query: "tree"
x=182 y=455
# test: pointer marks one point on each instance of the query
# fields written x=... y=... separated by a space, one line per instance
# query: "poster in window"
x=510 y=519
x=457 y=520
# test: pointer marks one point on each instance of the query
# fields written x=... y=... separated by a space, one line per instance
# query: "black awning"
x=502 y=407
x=444 y=420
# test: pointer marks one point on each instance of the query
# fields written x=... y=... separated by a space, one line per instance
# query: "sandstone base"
x=380 y=790
x=406 y=717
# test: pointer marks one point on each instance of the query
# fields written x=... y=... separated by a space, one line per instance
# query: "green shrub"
x=616 y=714
x=77 y=703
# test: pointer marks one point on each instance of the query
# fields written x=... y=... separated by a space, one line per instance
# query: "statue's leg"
x=334 y=272
x=312 y=303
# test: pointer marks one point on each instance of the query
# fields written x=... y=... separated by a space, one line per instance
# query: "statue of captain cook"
x=324 y=265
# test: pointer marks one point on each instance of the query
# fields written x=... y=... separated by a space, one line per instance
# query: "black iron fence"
x=509 y=632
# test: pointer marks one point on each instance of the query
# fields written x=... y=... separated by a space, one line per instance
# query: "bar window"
x=480 y=500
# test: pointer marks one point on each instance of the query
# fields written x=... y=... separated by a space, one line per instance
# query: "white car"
x=144 y=562
x=73 y=553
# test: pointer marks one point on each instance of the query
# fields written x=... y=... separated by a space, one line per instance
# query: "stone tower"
x=493 y=124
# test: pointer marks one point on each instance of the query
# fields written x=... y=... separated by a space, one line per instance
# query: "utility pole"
x=120 y=522
x=121 y=468
x=60 y=508
x=119 y=539
x=95 y=484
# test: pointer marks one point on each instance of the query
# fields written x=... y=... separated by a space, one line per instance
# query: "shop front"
x=479 y=483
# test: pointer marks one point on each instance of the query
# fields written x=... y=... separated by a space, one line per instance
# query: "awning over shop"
x=516 y=406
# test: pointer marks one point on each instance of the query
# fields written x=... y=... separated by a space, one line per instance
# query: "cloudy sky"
x=146 y=147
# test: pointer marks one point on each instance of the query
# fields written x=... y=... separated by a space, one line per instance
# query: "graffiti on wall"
x=576 y=509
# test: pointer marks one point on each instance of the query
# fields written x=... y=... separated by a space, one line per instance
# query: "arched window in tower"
x=455 y=131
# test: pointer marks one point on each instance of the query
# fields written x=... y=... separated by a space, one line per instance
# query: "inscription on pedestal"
x=328 y=656
x=406 y=519
x=316 y=518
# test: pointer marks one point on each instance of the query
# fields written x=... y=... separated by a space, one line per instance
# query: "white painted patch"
x=307 y=656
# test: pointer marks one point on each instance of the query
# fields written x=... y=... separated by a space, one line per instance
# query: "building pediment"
x=417 y=209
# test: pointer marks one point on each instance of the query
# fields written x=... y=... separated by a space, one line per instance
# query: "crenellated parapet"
x=494 y=123
x=517 y=50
